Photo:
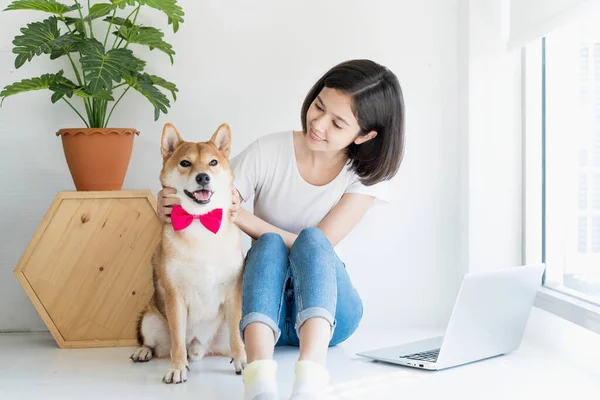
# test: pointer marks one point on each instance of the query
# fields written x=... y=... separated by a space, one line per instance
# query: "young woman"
x=310 y=188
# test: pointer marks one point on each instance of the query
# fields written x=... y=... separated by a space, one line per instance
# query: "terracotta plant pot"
x=98 y=158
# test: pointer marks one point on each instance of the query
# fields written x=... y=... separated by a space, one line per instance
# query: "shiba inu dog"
x=198 y=265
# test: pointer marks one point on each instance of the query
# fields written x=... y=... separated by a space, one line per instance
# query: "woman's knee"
x=271 y=240
x=312 y=235
x=268 y=251
x=311 y=242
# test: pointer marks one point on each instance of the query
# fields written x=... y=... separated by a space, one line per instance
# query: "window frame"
x=561 y=303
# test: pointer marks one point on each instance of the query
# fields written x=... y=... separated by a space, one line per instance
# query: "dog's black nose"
x=203 y=179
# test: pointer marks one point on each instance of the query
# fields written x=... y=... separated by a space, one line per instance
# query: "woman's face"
x=331 y=124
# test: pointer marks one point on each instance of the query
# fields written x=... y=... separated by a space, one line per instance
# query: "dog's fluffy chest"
x=204 y=284
x=202 y=268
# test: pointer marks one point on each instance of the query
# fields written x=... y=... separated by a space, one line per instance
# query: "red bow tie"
x=181 y=219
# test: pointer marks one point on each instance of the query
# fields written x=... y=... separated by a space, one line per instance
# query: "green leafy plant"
x=107 y=68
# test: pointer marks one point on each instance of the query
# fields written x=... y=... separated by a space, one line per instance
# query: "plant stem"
x=90 y=21
x=134 y=20
x=102 y=112
x=109 y=26
x=75 y=70
x=99 y=112
x=103 y=116
x=65 y=22
x=93 y=122
x=74 y=109
x=113 y=107
x=85 y=101
x=81 y=16
x=115 y=41
x=137 y=10
x=72 y=63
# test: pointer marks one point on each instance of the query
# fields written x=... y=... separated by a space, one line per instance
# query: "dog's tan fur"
x=196 y=307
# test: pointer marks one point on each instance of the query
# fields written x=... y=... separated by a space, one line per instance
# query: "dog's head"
x=199 y=171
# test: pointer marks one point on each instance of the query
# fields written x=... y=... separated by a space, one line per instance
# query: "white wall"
x=491 y=132
x=250 y=64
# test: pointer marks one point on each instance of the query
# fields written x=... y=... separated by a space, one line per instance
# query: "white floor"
x=556 y=358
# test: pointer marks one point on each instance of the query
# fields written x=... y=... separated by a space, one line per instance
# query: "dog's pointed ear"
x=222 y=139
x=170 y=140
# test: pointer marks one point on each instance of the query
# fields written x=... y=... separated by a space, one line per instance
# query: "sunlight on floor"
x=377 y=385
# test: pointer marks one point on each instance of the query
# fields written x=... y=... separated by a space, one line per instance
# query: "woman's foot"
x=260 y=381
x=311 y=381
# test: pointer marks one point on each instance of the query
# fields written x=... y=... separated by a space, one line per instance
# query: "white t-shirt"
x=267 y=169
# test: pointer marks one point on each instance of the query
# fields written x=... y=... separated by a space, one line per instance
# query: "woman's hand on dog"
x=235 y=203
x=166 y=203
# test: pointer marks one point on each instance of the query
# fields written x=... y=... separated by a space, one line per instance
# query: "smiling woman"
x=310 y=189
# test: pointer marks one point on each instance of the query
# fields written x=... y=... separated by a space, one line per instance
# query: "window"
x=567 y=62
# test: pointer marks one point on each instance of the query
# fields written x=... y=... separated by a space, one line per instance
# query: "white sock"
x=311 y=381
x=260 y=380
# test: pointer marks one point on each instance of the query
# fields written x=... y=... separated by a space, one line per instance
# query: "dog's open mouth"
x=200 y=196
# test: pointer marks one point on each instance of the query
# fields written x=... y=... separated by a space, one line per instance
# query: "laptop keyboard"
x=430 y=356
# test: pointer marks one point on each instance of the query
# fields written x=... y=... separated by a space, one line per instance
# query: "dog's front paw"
x=239 y=362
x=176 y=374
x=142 y=354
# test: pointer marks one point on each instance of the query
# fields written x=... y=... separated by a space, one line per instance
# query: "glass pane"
x=583 y=191
x=596 y=235
x=583 y=235
x=572 y=94
x=595 y=179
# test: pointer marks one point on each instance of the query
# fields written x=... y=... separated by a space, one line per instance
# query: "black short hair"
x=378 y=105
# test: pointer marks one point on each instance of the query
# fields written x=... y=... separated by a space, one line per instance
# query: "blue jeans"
x=282 y=289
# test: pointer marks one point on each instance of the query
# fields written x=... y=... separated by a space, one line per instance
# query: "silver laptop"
x=488 y=319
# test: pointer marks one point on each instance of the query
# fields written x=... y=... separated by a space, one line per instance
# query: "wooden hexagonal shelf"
x=87 y=269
